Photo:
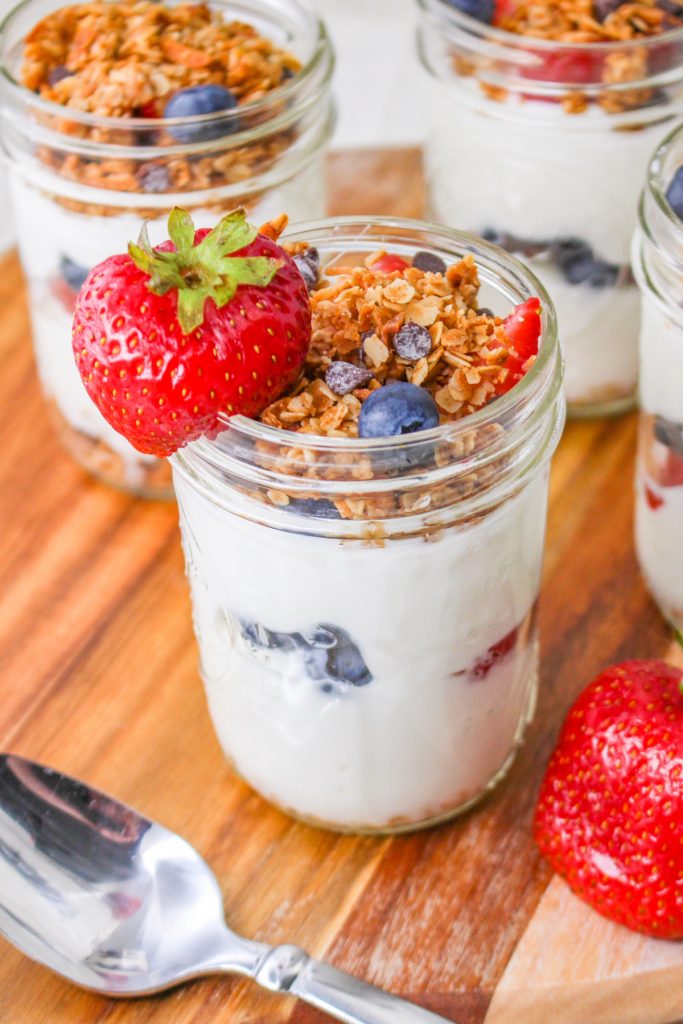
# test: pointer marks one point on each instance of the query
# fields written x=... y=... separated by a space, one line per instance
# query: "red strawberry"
x=211 y=323
x=670 y=474
x=522 y=330
x=610 y=808
x=495 y=653
x=388 y=263
x=654 y=500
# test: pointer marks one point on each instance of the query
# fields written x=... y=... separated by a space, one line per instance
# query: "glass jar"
x=658 y=267
x=365 y=609
x=82 y=185
x=542 y=147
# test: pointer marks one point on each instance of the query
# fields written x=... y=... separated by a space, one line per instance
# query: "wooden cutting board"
x=98 y=676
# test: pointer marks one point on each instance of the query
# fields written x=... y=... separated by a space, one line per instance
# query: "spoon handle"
x=341 y=995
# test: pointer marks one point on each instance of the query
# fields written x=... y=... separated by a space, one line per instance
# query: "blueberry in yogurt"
x=72 y=273
x=330 y=657
x=579 y=265
x=674 y=193
x=195 y=101
x=670 y=434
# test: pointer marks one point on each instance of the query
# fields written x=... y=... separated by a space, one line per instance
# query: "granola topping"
x=407 y=325
x=586 y=21
x=126 y=60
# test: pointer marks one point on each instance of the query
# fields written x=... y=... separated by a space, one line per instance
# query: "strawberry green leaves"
x=209 y=270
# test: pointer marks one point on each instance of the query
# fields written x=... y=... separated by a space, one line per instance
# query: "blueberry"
x=485 y=311
x=197 y=100
x=343 y=378
x=318 y=508
x=482 y=10
x=512 y=243
x=578 y=265
x=669 y=433
x=287 y=73
x=154 y=178
x=57 y=74
x=412 y=341
x=674 y=193
x=429 y=262
x=73 y=273
x=401 y=409
x=603 y=8
x=333 y=658
x=308 y=263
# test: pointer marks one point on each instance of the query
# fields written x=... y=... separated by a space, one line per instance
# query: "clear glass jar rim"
x=517 y=399
x=322 y=50
x=465 y=23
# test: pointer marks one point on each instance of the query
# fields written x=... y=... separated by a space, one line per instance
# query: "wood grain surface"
x=98 y=675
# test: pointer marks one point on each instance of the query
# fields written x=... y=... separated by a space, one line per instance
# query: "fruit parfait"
x=114 y=112
x=544 y=115
x=658 y=266
x=362 y=499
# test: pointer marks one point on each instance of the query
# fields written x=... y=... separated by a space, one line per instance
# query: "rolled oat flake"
x=412 y=341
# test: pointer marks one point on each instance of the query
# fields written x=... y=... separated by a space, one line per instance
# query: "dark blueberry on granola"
x=401 y=409
x=343 y=378
x=669 y=433
x=321 y=508
x=73 y=273
x=482 y=10
x=154 y=178
x=429 y=262
x=308 y=263
x=198 y=100
x=674 y=193
x=412 y=341
x=578 y=264
x=57 y=73
x=485 y=311
x=603 y=8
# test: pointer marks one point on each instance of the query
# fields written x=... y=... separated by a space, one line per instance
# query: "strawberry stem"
x=203 y=271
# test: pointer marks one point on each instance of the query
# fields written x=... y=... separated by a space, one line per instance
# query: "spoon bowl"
x=122 y=906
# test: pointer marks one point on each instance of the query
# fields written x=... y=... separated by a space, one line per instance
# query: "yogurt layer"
x=563 y=176
x=442 y=681
x=659 y=509
x=48 y=231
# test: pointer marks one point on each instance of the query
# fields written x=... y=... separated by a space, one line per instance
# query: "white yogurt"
x=535 y=172
x=48 y=231
x=432 y=729
x=659 y=530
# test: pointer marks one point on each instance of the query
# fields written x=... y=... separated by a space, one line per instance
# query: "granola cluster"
x=124 y=60
x=588 y=21
x=357 y=312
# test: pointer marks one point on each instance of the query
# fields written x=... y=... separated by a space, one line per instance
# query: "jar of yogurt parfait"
x=658 y=267
x=365 y=608
x=541 y=127
x=115 y=112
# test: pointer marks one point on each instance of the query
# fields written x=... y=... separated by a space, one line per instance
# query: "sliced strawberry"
x=494 y=654
x=523 y=328
x=654 y=500
x=389 y=263
x=671 y=472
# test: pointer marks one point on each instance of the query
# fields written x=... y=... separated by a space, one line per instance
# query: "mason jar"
x=542 y=147
x=82 y=186
x=658 y=267
x=365 y=610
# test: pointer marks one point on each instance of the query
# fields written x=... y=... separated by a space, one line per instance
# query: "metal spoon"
x=121 y=906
